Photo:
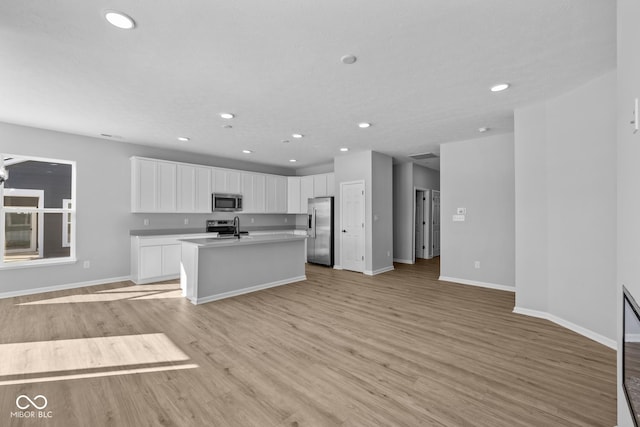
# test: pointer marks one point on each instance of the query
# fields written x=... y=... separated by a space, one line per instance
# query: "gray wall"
x=628 y=172
x=103 y=202
x=382 y=212
x=478 y=175
x=406 y=177
x=376 y=170
x=566 y=214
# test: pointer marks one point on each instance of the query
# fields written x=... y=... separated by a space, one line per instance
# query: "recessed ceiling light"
x=344 y=149
x=120 y=20
x=364 y=125
x=500 y=87
x=483 y=129
x=247 y=151
x=297 y=135
x=348 y=59
x=292 y=160
x=183 y=138
x=227 y=115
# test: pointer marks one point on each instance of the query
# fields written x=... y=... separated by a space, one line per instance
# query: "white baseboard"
x=379 y=271
x=248 y=290
x=403 y=261
x=337 y=267
x=476 y=283
x=23 y=292
x=566 y=324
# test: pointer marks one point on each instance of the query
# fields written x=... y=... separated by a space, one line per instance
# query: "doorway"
x=352 y=226
x=426 y=227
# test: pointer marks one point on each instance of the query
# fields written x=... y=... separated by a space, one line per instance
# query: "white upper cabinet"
x=276 y=194
x=226 y=181
x=253 y=189
x=306 y=192
x=186 y=188
x=293 y=194
x=153 y=186
x=203 y=189
x=331 y=184
x=319 y=185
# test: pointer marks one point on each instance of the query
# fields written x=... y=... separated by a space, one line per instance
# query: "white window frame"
x=66 y=221
x=64 y=211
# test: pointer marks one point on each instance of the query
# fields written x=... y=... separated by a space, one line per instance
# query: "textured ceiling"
x=422 y=76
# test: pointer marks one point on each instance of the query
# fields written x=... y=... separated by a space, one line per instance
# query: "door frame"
x=426 y=230
x=364 y=218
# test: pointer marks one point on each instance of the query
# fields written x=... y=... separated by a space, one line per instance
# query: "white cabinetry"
x=203 y=189
x=226 y=181
x=276 y=194
x=303 y=188
x=153 y=185
x=293 y=194
x=253 y=192
x=156 y=258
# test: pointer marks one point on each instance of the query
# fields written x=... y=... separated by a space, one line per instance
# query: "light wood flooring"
x=340 y=349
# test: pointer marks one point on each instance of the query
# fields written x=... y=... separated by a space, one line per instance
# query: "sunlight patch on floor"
x=87 y=353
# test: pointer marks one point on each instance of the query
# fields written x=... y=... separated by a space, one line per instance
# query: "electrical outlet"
x=146 y=221
x=186 y=221
x=286 y=219
x=86 y=264
x=476 y=264
x=388 y=253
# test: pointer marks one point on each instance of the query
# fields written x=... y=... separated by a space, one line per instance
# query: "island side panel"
x=233 y=270
x=189 y=271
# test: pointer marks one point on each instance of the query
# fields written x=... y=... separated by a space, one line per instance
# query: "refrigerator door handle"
x=312 y=224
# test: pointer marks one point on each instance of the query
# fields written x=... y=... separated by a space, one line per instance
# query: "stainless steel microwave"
x=222 y=202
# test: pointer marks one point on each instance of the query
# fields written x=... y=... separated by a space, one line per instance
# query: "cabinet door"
x=331 y=184
x=259 y=189
x=293 y=194
x=203 y=190
x=219 y=180
x=186 y=194
x=306 y=192
x=248 y=193
x=319 y=185
x=171 y=260
x=144 y=185
x=233 y=182
x=281 y=194
x=150 y=261
x=271 y=193
x=166 y=187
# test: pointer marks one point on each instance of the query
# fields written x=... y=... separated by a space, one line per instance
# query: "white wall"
x=103 y=203
x=406 y=177
x=566 y=207
x=375 y=170
x=478 y=175
x=628 y=173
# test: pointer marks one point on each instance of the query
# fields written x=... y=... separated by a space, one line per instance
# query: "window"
x=37 y=202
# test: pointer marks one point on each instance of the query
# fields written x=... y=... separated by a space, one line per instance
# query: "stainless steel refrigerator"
x=320 y=233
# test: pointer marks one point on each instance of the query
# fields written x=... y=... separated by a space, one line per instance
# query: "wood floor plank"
x=340 y=349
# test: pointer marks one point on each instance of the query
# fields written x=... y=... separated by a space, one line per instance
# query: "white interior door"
x=435 y=222
x=352 y=232
x=419 y=224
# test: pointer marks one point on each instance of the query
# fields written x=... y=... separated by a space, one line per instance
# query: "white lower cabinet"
x=154 y=259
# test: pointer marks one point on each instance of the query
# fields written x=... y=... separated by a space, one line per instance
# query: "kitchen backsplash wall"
x=195 y=221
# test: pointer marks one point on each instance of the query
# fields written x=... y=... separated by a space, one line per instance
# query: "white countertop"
x=243 y=240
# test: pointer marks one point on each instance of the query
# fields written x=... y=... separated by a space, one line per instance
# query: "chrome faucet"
x=236 y=227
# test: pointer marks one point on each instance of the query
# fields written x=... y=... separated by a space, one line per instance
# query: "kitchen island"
x=216 y=268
